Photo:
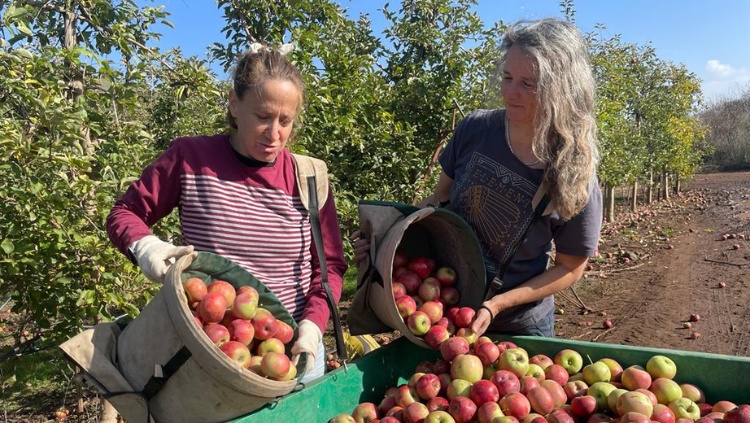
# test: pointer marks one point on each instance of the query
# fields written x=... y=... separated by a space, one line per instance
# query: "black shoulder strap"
x=542 y=202
x=318 y=239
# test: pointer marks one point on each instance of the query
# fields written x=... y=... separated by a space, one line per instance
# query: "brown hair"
x=254 y=68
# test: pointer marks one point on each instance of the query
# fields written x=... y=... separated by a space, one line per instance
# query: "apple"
x=386 y=404
x=612 y=399
x=406 y=306
x=212 y=307
x=395 y=413
x=467 y=334
x=483 y=391
x=428 y=386
x=418 y=323
x=458 y=388
x=437 y=404
x=665 y=390
x=464 y=317
x=245 y=305
x=557 y=373
x=238 y=353
x=487 y=351
x=224 y=288
x=634 y=401
x=441 y=366
x=536 y=372
x=527 y=384
x=195 y=289
x=505 y=419
x=433 y=309
x=410 y=281
x=241 y=330
x=429 y=289
x=534 y=418
x=541 y=400
x=575 y=388
x=515 y=404
x=365 y=412
x=506 y=382
x=398 y=289
x=462 y=409
x=685 y=408
x=634 y=417
x=450 y=295
x=557 y=392
x=488 y=411
x=437 y=416
x=406 y=395
x=453 y=346
x=597 y=371
x=468 y=367
x=264 y=323
x=217 y=333
x=693 y=392
x=741 y=414
x=635 y=377
x=400 y=259
x=435 y=336
x=615 y=369
x=570 y=359
x=559 y=415
x=600 y=418
x=583 y=406
x=415 y=412
x=446 y=275
x=722 y=406
x=600 y=391
x=515 y=360
x=269 y=345
x=661 y=366
x=662 y=414
x=420 y=266
x=284 y=332
x=542 y=360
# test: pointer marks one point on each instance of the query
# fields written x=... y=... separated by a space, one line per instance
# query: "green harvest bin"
x=722 y=377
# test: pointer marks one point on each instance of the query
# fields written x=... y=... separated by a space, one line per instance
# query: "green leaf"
x=7 y=246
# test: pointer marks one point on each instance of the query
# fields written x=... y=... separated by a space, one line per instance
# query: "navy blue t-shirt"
x=492 y=190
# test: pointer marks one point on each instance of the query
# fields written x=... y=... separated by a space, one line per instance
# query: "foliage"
x=729 y=121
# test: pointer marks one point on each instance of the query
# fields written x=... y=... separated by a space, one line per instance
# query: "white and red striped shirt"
x=250 y=215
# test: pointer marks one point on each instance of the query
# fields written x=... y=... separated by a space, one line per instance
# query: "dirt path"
x=683 y=260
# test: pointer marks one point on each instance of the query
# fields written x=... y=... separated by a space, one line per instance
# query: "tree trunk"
x=665 y=185
x=609 y=209
x=634 y=198
x=650 y=189
x=677 y=185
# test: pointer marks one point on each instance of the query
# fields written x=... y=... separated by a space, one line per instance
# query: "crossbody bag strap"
x=318 y=239
x=540 y=204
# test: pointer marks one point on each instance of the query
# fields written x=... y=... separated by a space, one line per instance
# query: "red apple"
x=542 y=360
x=450 y=295
x=428 y=386
x=386 y=404
x=446 y=275
x=241 y=330
x=224 y=288
x=284 y=332
x=506 y=381
x=487 y=351
x=400 y=259
x=557 y=373
x=559 y=415
x=464 y=317
x=433 y=309
x=409 y=280
x=415 y=412
x=245 y=305
x=217 y=333
x=195 y=289
x=237 y=352
x=437 y=404
x=452 y=347
x=275 y=365
x=662 y=414
x=693 y=392
x=634 y=377
x=406 y=395
x=429 y=289
x=634 y=417
x=722 y=406
x=527 y=384
x=212 y=307
x=665 y=390
x=556 y=390
x=575 y=388
x=488 y=411
x=421 y=266
x=483 y=391
x=541 y=400
x=741 y=414
x=406 y=306
x=583 y=406
x=365 y=412
x=435 y=336
x=398 y=289
x=615 y=369
x=462 y=409
x=265 y=324
x=516 y=405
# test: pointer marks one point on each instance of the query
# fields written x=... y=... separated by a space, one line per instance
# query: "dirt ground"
x=656 y=268
x=663 y=264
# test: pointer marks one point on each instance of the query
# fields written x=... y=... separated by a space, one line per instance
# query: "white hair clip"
x=286 y=49
x=256 y=48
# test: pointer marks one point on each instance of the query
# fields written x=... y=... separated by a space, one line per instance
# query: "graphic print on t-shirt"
x=496 y=202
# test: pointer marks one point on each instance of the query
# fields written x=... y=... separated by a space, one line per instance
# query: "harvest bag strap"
x=318 y=238
x=541 y=204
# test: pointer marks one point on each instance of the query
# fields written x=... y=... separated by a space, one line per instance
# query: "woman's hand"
x=484 y=316
x=361 y=246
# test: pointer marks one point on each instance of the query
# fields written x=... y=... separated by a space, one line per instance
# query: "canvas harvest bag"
x=431 y=232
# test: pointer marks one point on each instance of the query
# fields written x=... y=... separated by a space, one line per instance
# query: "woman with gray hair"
x=499 y=163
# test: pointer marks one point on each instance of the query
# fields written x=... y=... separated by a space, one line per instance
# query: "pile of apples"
x=247 y=333
x=497 y=382
x=426 y=298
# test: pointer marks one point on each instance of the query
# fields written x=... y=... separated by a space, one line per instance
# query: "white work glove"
x=154 y=256
x=307 y=342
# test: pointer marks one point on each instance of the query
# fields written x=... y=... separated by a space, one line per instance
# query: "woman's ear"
x=233 y=103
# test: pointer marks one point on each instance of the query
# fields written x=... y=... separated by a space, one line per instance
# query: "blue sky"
x=711 y=38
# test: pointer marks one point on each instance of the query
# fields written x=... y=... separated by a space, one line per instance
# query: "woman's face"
x=518 y=86
x=265 y=119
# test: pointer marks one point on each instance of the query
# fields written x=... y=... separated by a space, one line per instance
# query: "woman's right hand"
x=361 y=246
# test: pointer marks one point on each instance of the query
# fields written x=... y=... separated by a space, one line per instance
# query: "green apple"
x=600 y=391
x=468 y=367
x=570 y=359
x=666 y=390
x=635 y=402
x=661 y=366
x=683 y=407
x=597 y=371
x=612 y=399
x=515 y=360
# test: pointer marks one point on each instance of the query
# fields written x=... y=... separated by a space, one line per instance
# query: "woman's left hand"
x=482 y=319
